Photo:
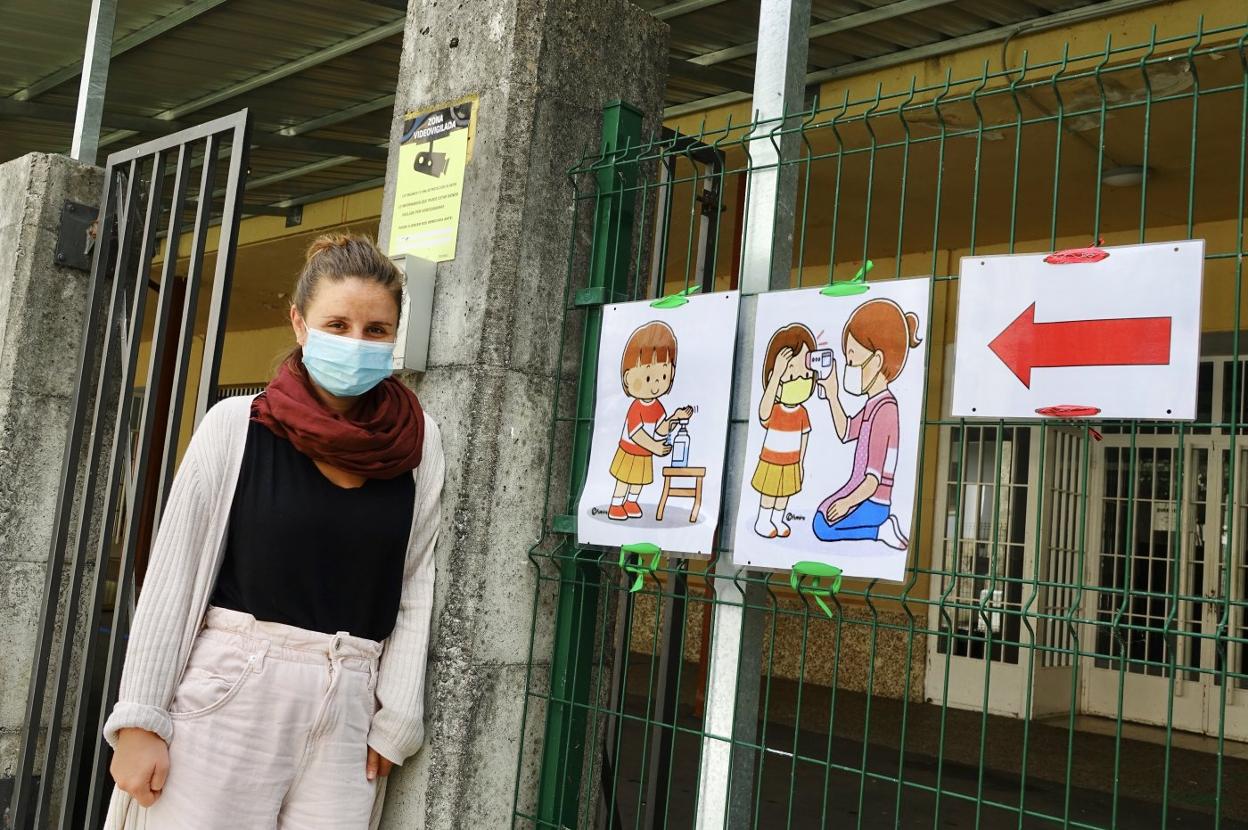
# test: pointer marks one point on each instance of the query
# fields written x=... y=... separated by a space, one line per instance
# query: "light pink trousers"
x=270 y=730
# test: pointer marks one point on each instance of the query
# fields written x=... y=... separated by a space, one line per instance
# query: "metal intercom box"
x=411 y=345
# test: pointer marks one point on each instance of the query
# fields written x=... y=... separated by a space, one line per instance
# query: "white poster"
x=1114 y=334
x=836 y=410
x=656 y=464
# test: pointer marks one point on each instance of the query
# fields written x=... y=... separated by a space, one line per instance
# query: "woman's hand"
x=377 y=764
x=140 y=764
x=838 y=510
x=831 y=385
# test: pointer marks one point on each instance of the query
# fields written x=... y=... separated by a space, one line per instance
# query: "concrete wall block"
x=530 y=750
x=592 y=51
x=498 y=481
x=459 y=303
x=14 y=180
x=21 y=594
x=433 y=72
x=10 y=746
x=494 y=705
x=41 y=300
x=21 y=597
x=499 y=314
x=561 y=451
x=536 y=301
x=485 y=44
x=42 y=308
x=28 y=491
x=10 y=243
x=50 y=180
x=501 y=298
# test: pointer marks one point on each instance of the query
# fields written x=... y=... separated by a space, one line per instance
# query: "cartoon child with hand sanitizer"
x=647 y=372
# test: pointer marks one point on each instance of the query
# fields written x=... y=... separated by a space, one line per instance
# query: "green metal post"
x=572 y=661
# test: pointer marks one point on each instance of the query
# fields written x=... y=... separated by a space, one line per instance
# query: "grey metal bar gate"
x=111 y=493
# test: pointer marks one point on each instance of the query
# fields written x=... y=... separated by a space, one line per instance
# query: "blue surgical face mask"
x=345 y=366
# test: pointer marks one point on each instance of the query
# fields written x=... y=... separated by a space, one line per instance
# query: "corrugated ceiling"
x=319 y=75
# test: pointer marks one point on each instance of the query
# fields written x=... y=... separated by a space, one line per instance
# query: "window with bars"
x=983 y=540
x=1153 y=554
x=1059 y=596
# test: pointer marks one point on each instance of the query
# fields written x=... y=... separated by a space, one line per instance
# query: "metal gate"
x=1070 y=646
x=123 y=443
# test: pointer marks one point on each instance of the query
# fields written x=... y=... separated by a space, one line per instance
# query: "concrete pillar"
x=42 y=305
x=543 y=71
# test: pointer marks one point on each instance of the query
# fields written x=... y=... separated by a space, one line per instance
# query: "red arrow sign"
x=1133 y=341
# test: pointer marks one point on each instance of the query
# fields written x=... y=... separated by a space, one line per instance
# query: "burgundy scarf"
x=380 y=438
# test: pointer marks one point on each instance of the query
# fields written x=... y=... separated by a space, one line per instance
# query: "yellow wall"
x=1171 y=19
x=332 y=213
x=248 y=359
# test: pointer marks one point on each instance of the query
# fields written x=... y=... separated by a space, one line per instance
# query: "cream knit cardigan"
x=182 y=572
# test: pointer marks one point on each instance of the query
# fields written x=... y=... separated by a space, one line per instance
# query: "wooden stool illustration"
x=694 y=492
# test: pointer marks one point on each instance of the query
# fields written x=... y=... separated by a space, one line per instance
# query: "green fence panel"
x=1070 y=645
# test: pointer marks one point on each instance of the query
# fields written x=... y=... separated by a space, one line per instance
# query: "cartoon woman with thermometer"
x=876 y=341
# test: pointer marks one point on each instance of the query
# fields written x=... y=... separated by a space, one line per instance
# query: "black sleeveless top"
x=303 y=551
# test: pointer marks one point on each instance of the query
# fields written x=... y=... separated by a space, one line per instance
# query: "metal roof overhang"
x=319 y=75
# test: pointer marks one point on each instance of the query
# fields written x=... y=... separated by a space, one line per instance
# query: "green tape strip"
x=676 y=300
x=639 y=568
x=857 y=285
x=817 y=572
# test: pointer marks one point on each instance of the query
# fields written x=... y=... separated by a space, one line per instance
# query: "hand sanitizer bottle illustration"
x=679 y=440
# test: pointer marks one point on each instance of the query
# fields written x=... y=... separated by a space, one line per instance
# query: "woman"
x=876 y=340
x=275 y=666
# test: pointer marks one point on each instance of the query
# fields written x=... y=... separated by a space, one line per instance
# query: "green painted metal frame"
x=572 y=661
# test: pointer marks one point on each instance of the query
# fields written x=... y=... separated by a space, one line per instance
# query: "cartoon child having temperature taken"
x=788 y=382
x=876 y=341
x=647 y=372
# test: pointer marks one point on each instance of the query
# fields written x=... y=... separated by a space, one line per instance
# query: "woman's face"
x=857 y=354
x=353 y=307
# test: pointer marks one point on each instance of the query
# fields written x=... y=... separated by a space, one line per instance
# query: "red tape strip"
x=1068 y=411
x=1074 y=256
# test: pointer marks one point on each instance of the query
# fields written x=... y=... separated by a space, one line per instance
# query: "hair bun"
x=337 y=256
x=326 y=242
